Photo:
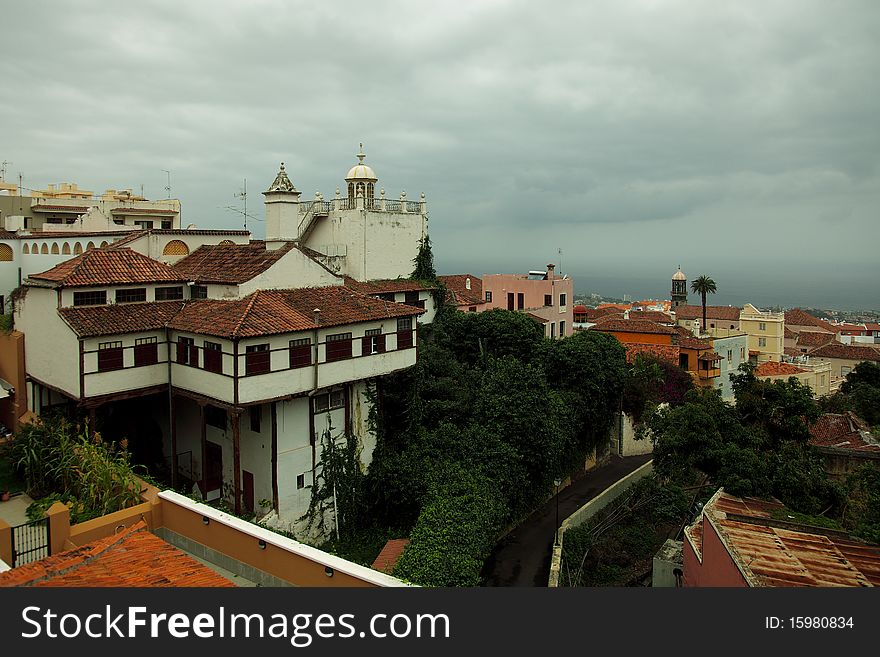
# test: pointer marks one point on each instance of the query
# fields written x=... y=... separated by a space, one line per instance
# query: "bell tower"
x=679 y=289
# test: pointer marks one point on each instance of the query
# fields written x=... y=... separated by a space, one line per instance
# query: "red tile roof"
x=798 y=317
x=690 y=342
x=612 y=324
x=229 y=263
x=97 y=267
x=847 y=351
x=669 y=353
x=579 y=309
x=651 y=316
x=723 y=313
x=385 y=286
x=592 y=314
x=119 y=318
x=269 y=312
x=813 y=339
x=132 y=558
x=772 y=368
x=457 y=292
x=789 y=334
x=387 y=559
x=843 y=431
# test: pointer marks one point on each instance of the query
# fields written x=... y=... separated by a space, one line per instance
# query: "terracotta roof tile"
x=269 y=312
x=813 y=339
x=798 y=317
x=44 y=207
x=612 y=324
x=669 y=353
x=843 y=431
x=119 y=318
x=592 y=314
x=132 y=558
x=579 y=309
x=724 y=313
x=109 y=267
x=690 y=342
x=387 y=559
x=457 y=292
x=143 y=211
x=847 y=351
x=385 y=286
x=229 y=263
x=651 y=316
x=789 y=334
x=772 y=368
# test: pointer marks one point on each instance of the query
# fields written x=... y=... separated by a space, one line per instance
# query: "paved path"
x=523 y=557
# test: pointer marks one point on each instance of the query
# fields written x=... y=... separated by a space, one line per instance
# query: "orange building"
x=673 y=344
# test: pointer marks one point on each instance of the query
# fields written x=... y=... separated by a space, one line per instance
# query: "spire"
x=282 y=182
x=360 y=156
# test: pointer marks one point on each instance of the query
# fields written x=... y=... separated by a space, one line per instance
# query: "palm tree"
x=703 y=286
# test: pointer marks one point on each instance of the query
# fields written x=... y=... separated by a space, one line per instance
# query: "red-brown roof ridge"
x=98 y=267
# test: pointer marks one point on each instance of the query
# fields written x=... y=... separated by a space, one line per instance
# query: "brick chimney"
x=551 y=272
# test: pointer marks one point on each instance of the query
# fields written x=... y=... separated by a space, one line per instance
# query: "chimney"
x=316 y=314
x=550 y=272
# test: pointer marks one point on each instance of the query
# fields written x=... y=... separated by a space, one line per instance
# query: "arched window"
x=5 y=253
x=176 y=248
x=55 y=249
x=350 y=190
x=35 y=249
x=45 y=249
x=90 y=245
x=226 y=243
x=77 y=248
x=25 y=249
x=105 y=243
x=65 y=249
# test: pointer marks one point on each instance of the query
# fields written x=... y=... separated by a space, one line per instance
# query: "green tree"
x=424 y=262
x=703 y=285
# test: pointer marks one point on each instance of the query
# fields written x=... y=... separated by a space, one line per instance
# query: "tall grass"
x=63 y=461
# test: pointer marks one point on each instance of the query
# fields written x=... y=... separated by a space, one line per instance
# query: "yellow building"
x=766 y=331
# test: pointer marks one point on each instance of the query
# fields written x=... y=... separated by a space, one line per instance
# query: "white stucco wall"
x=293 y=269
x=51 y=348
x=378 y=244
x=131 y=378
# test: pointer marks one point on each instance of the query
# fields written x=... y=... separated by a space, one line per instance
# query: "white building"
x=359 y=235
x=228 y=357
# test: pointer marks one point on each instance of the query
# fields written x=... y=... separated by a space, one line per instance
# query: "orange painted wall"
x=717 y=568
x=12 y=370
x=641 y=338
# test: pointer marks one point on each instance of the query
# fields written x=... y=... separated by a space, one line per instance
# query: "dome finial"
x=361 y=155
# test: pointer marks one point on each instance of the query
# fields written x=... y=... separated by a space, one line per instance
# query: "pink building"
x=545 y=296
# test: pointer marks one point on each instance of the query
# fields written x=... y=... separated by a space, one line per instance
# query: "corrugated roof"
x=773 y=552
x=108 y=266
x=132 y=558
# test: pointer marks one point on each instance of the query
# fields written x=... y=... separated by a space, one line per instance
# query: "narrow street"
x=523 y=557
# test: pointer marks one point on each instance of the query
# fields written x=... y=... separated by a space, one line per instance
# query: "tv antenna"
x=560 y=260
x=168 y=184
x=3 y=170
x=244 y=213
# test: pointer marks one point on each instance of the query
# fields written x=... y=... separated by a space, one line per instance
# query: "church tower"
x=679 y=289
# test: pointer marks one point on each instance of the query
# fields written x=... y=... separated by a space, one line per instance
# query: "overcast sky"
x=738 y=139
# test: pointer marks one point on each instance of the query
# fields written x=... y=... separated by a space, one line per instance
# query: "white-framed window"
x=762 y=342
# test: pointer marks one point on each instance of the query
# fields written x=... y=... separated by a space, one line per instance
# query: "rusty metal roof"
x=773 y=552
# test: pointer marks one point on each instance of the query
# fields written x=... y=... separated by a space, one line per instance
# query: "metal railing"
x=30 y=542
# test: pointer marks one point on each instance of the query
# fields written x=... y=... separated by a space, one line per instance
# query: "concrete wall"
x=627 y=445
x=12 y=370
x=590 y=509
